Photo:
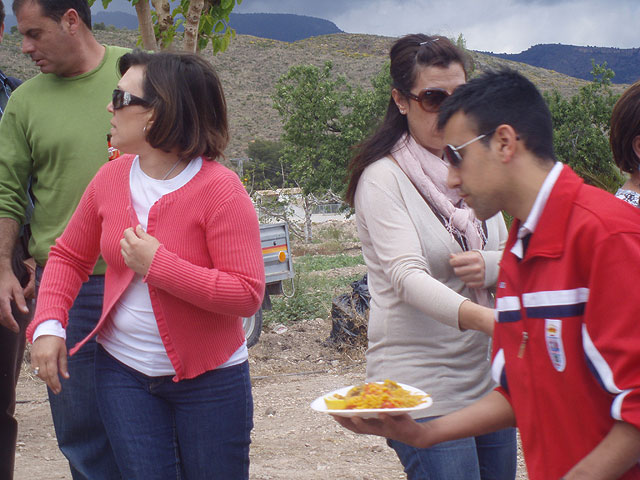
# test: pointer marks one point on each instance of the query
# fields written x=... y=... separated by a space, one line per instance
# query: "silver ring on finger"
x=36 y=371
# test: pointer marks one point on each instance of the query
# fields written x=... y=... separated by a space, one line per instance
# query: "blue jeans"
x=485 y=457
x=193 y=429
x=79 y=429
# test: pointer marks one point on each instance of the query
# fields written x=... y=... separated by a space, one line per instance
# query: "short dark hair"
x=407 y=55
x=625 y=126
x=55 y=9
x=504 y=97
x=189 y=108
x=2 y=14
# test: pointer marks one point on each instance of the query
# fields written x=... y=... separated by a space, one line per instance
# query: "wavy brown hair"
x=186 y=96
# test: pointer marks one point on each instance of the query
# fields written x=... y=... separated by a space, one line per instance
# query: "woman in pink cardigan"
x=181 y=241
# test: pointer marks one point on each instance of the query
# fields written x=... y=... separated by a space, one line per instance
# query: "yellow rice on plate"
x=387 y=394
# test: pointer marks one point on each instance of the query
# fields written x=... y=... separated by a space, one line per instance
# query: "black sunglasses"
x=429 y=99
x=121 y=99
x=451 y=154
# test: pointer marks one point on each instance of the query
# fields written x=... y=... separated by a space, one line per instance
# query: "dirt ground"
x=290 y=441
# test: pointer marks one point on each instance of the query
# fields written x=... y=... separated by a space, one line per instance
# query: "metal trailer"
x=278 y=267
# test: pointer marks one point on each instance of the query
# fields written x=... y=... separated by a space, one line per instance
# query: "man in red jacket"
x=565 y=355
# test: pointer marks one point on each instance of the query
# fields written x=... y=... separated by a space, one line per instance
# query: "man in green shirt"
x=53 y=132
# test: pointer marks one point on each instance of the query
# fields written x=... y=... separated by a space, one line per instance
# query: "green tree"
x=204 y=21
x=461 y=43
x=266 y=171
x=581 y=129
x=310 y=101
x=323 y=118
x=364 y=110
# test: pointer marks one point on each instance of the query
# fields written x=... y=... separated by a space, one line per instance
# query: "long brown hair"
x=407 y=54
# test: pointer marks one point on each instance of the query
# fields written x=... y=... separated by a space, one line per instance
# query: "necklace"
x=170 y=170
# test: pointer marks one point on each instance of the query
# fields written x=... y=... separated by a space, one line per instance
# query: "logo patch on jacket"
x=553 y=337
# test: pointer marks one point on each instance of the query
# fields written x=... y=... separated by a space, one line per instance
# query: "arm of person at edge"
x=397 y=245
x=49 y=352
x=76 y=255
x=489 y=414
x=612 y=457
x=10 y=288
x=14 y=172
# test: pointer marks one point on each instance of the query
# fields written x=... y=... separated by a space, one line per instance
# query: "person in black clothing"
x=7 y=84
x=11 y=343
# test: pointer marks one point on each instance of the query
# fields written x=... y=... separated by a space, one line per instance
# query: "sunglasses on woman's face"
x=121 y=99
x=429 y=99
x=451 y=154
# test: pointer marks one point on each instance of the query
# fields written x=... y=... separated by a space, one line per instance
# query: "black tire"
x=252 y=328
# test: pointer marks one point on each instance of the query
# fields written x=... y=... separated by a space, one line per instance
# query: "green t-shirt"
x=54 y=131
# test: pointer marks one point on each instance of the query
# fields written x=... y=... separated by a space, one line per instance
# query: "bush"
x=313 y=293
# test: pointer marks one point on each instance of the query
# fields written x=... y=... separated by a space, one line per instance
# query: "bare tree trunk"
x=163 y=10
x=146 y=25
x=208 y=4
x=282 y=172
x=192 y=21
x=308 y=206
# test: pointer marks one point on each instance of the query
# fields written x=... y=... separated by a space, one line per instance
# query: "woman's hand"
x=48 y=358
x=469 y=267
x=138 y=248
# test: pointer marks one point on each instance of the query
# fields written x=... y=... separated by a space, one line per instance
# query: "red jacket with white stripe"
x=567 y=342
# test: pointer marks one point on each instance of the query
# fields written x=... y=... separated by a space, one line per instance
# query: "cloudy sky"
x=509 y=26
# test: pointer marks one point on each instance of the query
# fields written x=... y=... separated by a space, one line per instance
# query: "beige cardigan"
x=414 y=336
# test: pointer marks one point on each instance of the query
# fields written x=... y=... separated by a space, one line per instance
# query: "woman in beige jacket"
x=432 y=265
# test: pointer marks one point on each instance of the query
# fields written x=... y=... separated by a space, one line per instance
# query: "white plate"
x=319 y=405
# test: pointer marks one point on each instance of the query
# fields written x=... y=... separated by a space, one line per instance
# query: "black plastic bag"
x=350 y=314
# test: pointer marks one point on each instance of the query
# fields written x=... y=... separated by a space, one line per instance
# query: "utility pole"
x=239 y=161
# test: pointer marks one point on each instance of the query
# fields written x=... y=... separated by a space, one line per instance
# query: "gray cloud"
x=489 y=25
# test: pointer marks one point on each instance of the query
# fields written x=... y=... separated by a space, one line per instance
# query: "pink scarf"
x=428 y=174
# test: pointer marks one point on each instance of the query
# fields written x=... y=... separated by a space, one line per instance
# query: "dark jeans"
x=485 y=457
x=194 y=429
x=11 y=353
x=79 y=429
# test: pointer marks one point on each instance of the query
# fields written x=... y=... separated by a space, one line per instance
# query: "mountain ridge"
x=572 y=60
x=575 y=60
x=251 y=66
x=285 y=27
